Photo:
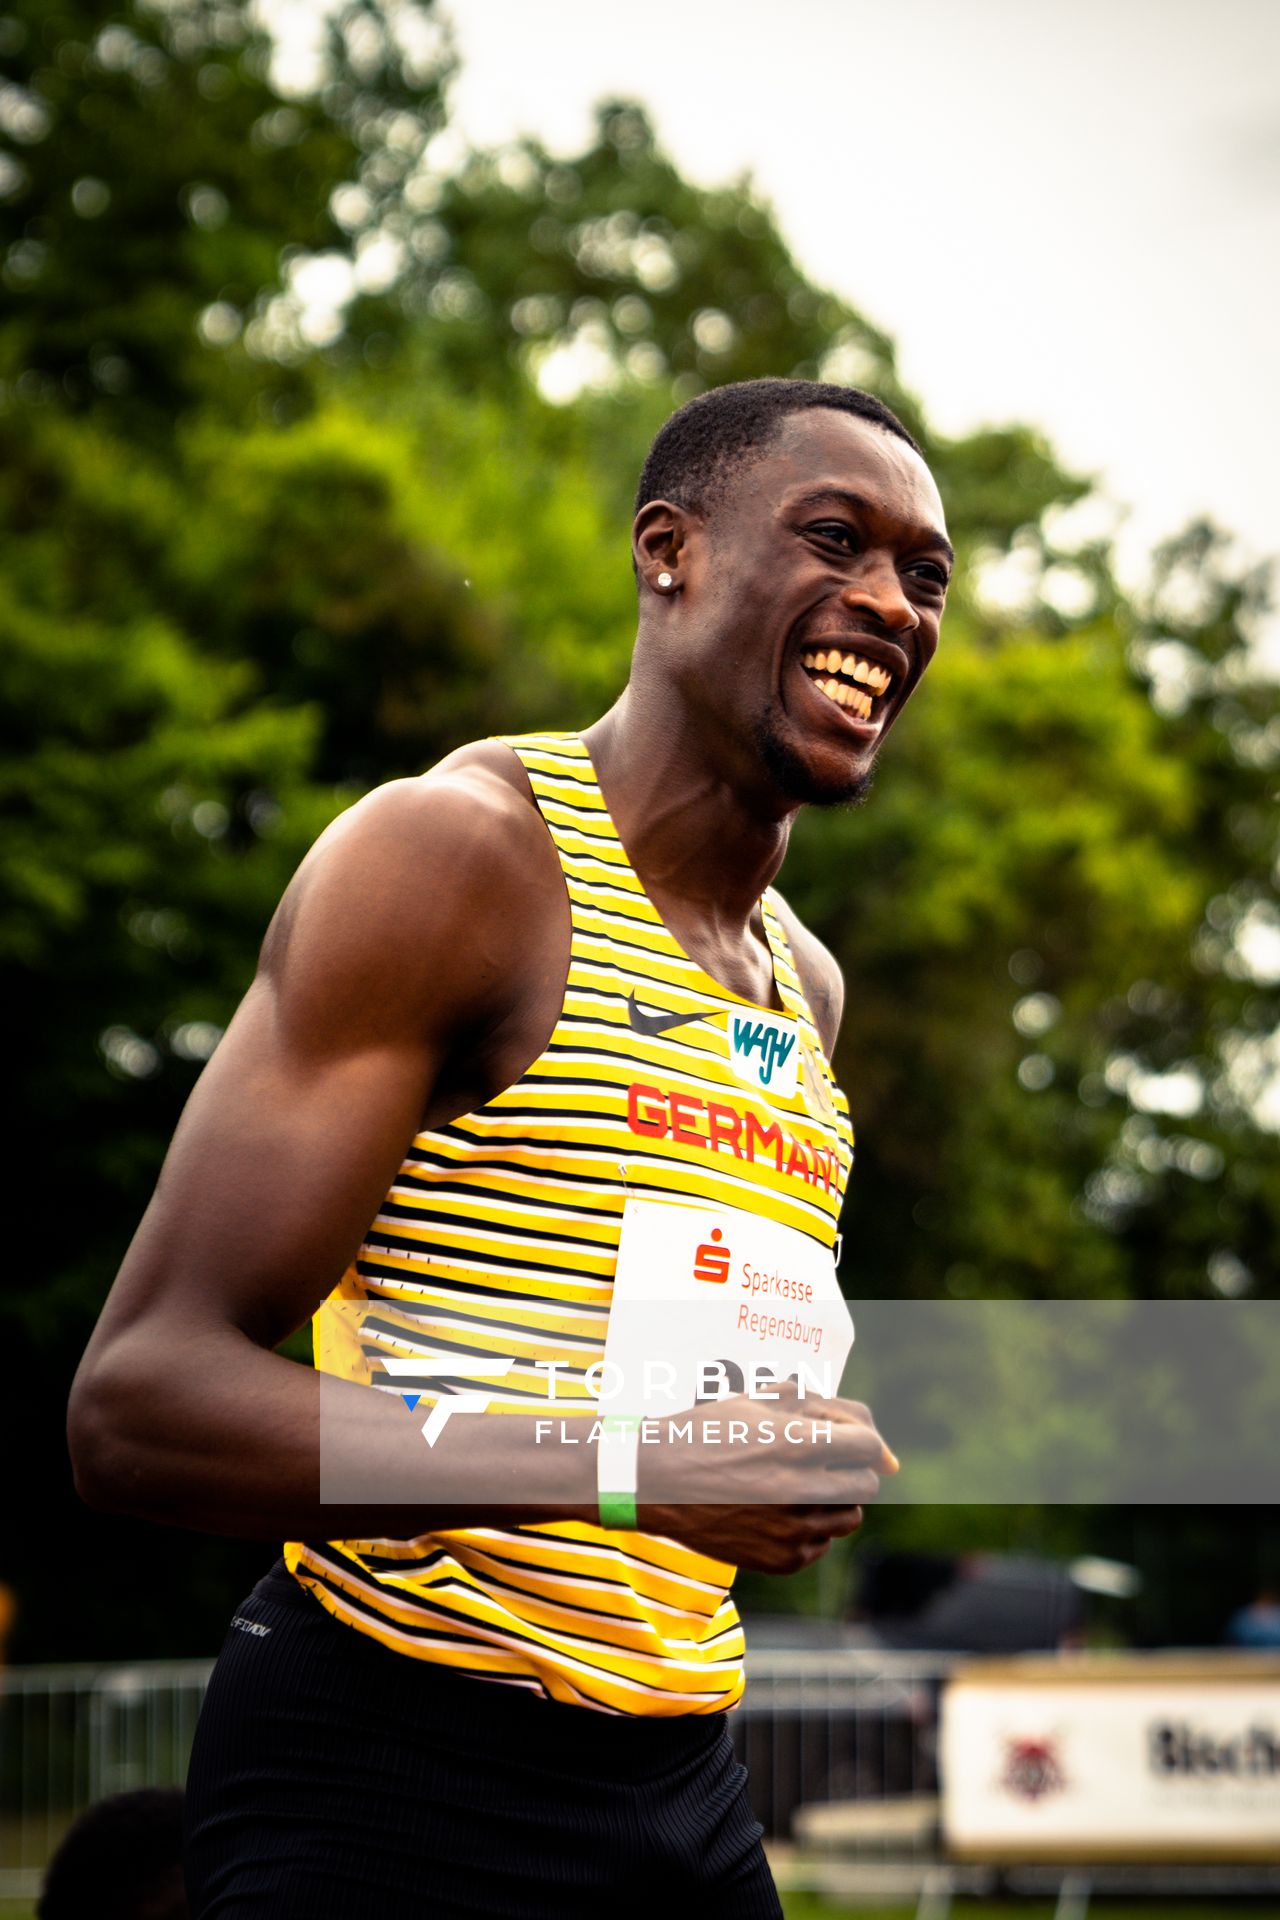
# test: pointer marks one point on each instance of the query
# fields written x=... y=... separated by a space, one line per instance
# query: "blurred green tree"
x=158 y=190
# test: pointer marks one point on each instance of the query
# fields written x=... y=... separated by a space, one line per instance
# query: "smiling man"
x=531 y=1038
x=819 y=579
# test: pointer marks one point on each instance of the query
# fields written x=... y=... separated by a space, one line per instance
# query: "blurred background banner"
x=319 y=427
x=1160 y=1759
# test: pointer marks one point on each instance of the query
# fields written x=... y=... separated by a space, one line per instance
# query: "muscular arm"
x=416 y=947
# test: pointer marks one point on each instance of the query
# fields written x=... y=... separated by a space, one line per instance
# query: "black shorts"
x=331 y=1776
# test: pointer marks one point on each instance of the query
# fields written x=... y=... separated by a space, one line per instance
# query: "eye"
x=837 y=530
x=933 y=571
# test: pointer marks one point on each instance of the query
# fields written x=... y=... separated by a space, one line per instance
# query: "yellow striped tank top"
x=499 y=1237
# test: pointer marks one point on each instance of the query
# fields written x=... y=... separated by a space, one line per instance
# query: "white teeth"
x=822 y=664
x=851 y=665
x=851 y=698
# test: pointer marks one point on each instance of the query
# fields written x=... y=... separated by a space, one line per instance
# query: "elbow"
x=102 y=1441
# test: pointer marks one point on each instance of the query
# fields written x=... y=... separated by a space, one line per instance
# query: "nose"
x=877 y=590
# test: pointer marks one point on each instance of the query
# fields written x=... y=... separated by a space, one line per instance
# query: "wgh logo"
x=762 y=1051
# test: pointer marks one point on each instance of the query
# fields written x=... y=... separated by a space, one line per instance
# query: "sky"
x=1066 y=214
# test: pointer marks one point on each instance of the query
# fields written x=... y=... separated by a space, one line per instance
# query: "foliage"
x=261 y=548
x=152 y=175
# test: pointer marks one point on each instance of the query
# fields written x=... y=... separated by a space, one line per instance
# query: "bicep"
x=280 y=1161
x=377 y=958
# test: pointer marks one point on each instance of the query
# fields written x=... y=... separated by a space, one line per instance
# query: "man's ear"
x=658 y=538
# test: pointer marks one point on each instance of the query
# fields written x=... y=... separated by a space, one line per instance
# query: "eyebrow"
x=857 y=503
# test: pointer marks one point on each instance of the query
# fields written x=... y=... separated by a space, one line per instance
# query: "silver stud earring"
x=665 y=581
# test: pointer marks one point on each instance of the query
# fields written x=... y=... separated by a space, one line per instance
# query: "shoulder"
x=820 y=975
x=476 y=790
x=465 y=824
x=450 y=871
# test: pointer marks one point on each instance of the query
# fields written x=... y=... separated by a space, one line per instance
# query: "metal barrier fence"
x=821 y=1725
x=70 y=1734
x=848 y=1735
x=817 y=1726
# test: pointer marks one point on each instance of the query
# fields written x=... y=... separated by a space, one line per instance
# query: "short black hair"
x=708 y=439
x=118 y=1859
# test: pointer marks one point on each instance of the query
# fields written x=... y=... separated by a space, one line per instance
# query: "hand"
x=764 y=1484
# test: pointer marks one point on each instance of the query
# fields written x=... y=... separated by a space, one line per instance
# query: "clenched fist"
x=764 y=1484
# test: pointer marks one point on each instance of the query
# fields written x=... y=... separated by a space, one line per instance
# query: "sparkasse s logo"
x=711 y=1261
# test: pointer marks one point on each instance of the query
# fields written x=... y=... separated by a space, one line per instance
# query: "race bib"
x=711 y=1300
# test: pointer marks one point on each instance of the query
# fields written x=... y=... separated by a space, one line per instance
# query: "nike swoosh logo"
x=655 y=1023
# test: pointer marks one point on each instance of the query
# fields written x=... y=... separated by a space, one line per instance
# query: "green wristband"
x=616 y=1470
x=618 y=1510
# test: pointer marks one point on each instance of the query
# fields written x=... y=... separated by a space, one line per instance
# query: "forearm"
x=223 y=1437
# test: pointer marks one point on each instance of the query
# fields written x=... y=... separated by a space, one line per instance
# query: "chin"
x=800 y=780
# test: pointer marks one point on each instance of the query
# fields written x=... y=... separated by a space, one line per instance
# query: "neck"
x=693 y=833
